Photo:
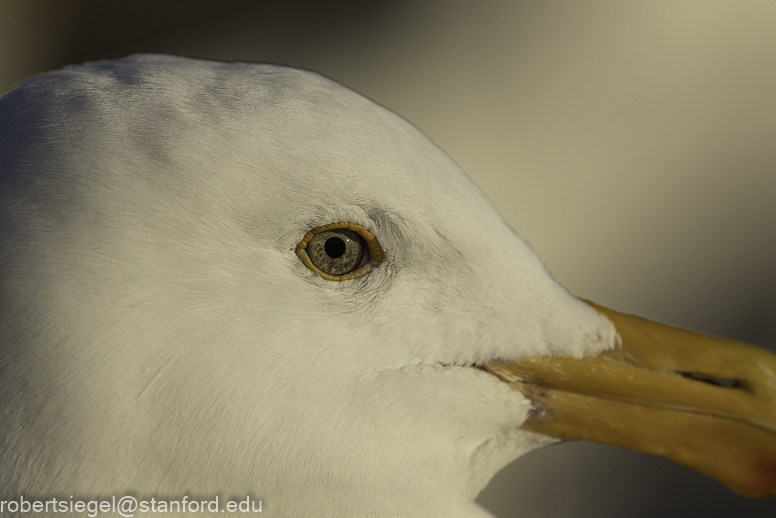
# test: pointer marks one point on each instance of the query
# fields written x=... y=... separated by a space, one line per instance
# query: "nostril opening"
x=712 y=381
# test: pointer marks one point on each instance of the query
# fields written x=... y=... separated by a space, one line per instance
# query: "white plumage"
x=161 y=337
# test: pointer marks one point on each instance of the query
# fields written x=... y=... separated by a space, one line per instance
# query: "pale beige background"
x=632 y=143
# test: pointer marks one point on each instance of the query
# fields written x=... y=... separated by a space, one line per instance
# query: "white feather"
x=160 y=336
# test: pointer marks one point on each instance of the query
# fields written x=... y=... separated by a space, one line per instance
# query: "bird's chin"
x=704 y=402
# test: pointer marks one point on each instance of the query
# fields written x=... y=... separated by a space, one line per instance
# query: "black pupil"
x=334 y=247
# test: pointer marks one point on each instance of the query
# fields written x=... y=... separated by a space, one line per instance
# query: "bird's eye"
x=340 y=251
x=336 y=252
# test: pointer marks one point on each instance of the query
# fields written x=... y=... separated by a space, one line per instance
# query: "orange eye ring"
x=374 y=249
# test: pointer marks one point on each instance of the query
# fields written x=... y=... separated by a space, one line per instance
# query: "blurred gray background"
x=633 y=144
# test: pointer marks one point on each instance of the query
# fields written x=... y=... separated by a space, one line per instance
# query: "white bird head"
x=161 y=336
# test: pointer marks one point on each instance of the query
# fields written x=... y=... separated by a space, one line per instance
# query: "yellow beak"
x=705 y=402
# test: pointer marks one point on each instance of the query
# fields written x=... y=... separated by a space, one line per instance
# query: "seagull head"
x=246 y=279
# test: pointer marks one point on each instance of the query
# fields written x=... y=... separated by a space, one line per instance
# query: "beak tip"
x=761 y=481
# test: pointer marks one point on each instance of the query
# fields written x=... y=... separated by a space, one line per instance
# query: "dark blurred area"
x=631 y=144
x=271 y=30
x=44 y=35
